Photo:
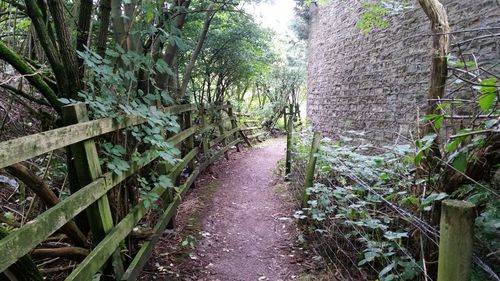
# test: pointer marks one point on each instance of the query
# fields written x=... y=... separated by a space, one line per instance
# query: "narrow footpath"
x=246 y=232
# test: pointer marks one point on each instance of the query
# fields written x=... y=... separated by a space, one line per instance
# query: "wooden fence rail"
x=91 y=196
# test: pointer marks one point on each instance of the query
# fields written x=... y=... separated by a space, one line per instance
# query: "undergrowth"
x=364 y=206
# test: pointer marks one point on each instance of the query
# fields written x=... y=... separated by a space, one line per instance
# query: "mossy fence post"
x=220 y=124
x=284 y=117
x=88 y=169
x=204 y=135
x=289 y=135
x=234 y=125
x=456 y=240
x=311 y=167
x=188 y=123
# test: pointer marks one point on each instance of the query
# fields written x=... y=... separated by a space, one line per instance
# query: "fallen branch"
x=42 y=190
x=73 y=253
x=474 y=133
x=57 y=269
x=142 y=233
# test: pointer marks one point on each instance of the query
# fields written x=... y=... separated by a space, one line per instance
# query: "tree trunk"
x=118 y=25
x=166 y=81
x=66 y=49
x=440 y=43
x=45 y=38
x=83 y=31
x=102 y=37
x=201 y=40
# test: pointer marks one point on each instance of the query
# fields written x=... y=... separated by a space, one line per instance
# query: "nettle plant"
x=112 y=91
x=341 y=201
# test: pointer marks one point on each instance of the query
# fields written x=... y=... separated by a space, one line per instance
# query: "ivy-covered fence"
x=215 y=130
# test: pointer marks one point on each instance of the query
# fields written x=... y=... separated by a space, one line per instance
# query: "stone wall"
x=376 y=82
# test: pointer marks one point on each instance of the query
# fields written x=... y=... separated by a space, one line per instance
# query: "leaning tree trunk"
x=438 y=17
x=439 y=69
x=211 y=10
x=440 y=42
x=165 y=81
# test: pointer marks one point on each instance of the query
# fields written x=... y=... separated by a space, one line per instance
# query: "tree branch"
x=34 y=78
x=73 y=253
x=24 y=95
x=41 y=188
x=16 y=4
x=201 y=40
x=37 y=18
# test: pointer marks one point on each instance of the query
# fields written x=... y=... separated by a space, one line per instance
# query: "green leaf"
x=162 y=67
x=453 y=145
x=486 y=101
x=488 y=92
x=164 y=181
x=66 y=101
x=490 y=123
x=410 y=201
x=384 y=177
x=438 y=121
x=387 y=269
x=488 y=86
x=395 y=235
x=469 y=64
x=460 y=162
x=423 y=146
x=427 y=202
x=112 y=53
x=429 y=117
x=9 y=216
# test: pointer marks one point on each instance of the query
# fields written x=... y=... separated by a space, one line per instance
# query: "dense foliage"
x=366 y=210
x=129 y=58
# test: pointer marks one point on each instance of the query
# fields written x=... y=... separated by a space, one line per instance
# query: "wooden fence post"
x=456 y=240
x=284 y=117
x=288 y=164
x=244 y=137
x=88 y=169
x=169 y=195
x=204 y=139
x=311 y=167
x=233 y=123
x=222 y=131
x=188 y=123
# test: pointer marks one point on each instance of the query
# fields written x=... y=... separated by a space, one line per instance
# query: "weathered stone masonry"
x=376 y=82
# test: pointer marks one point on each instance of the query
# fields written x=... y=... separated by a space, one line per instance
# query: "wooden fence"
x=217 y=139
x=251 y=127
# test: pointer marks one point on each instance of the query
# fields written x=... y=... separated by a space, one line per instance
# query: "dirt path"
x=246 y=230
x=239 y=221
